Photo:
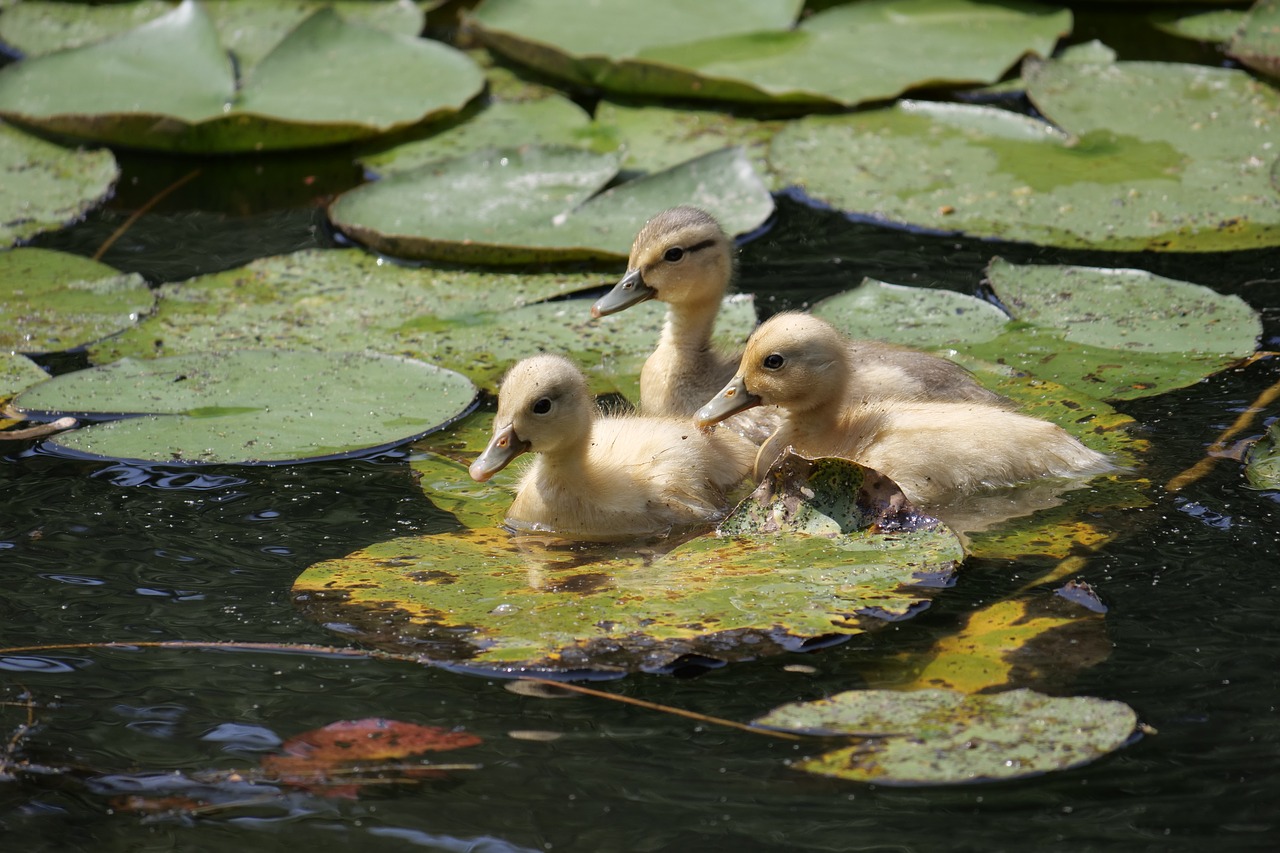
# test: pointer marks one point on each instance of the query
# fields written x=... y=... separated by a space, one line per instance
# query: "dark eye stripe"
x=705 y=244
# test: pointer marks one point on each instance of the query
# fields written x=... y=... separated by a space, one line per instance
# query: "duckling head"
x=681 y=256
x=544 y=405
x=792 y=360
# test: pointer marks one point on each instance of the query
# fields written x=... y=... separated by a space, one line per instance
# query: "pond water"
x=96 y=552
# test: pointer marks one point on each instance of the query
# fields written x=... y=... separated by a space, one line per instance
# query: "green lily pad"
x=1216 y=25
x=170 y=85
x=943 y=737
x=248 y=28
x=250 y=406
x=478 y=323
x=45 y=186
x=751 y=51
x=1257 y=43
x=54 y=301
x=540 y=204
x=18 y=373
x=1150 y=156
x=486 y=600
x=1262 y=464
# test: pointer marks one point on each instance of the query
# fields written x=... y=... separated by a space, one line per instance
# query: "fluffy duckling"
x=604 y=477
x=683 y=257
x=934 y=449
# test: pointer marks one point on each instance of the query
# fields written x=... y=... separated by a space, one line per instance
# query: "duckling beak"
x=733 y=398
x=631 y=290
x=503 y=447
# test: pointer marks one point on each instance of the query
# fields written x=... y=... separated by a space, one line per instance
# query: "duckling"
x=684 y=258
x=607 y=477
x=933 y=449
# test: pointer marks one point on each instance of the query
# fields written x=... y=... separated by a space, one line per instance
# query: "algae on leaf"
x=45 y=186
x=1262 y=464
x=944 y=737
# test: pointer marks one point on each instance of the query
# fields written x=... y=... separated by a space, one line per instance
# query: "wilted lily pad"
x=478 y=323
x=45 y=186
x=250 y=406
x=486 y=600
x=540 y=204
x=752 y=52
x=1262 y=468
x=1139 y=156
x=169 y=84
x=943 y=737
x=50 y=301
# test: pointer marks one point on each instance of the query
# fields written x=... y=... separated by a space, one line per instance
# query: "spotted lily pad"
x=50 y=301
x=170 y=85
x=478 y=323
x=250 y=406
x=540 y=204
x=944 y=737
x=17 y=373
x=1133 y=156
x=45 y=186
x=1262 y=468
x=1257 y=43
x=751 y=52
x=485 y=600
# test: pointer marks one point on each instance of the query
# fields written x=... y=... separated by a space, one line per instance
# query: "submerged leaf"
x=940 y=737
x=45 y=186
x=250 y=406
x=1262 y=464
x=53 y=301
x=483 y=599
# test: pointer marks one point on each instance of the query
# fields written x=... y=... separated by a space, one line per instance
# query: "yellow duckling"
x=934 y=449
x=683 y=257
x=604 y=477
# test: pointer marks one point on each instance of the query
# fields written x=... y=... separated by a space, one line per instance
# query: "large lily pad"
x=940 y=737
x=170 y=85
x=474 y=322
x=540 y=204
x=45 y=186
x=248 y=28
x=1138 y=156
x=1262 y=468
x=250 y=406
x=750 y=51
x=1106 y=333
x=50 y=301
x=485 y=600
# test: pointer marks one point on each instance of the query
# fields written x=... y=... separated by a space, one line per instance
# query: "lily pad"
x=478 y=323
x=751 y=51
x=1216 y=25
x=1138 y=156
x=45 y=186
x=250 y=406
x=482 y=599
x=54 y=301
x=1262 y=465
x=248 y=28
x=17 y=373
x=942 y=737
x=1257 y=43
x=170 y=85
x=540 y=204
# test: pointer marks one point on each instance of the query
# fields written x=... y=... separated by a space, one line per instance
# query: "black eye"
x=773 y=361
x=673 y=254
x=542 y=406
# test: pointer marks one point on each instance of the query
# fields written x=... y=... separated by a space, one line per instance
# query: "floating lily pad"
x=751 y=51
x=170 y=85
x=1151 y=156
x=249 y=28
x=45 y=186
x=1107 y=333
x=485 y=600
x=477 y=323
x=1262 y=468
x=50 y=301
x=941 y=737
x=1216 y=25
x=250 y=406
x=540 y=204
x=1257 y=42
x=17 y=373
